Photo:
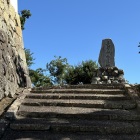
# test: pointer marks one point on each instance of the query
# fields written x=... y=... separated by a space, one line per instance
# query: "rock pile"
x=108 y=75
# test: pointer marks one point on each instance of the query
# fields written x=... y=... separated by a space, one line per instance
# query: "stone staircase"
x=82 y=109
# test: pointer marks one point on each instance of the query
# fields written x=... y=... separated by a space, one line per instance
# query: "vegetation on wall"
x=24 y=15
x=29 y=57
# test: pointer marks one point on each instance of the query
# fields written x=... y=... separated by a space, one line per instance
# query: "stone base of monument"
x=108 y=75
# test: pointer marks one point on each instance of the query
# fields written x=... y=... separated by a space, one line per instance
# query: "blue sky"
x=74 y=29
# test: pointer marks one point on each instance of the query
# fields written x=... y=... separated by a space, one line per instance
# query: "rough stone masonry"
x=13 y=68
x=107 y=73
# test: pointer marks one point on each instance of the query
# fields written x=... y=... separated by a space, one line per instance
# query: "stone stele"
x=107 y=54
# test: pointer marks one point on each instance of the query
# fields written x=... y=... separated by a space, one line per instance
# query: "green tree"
x=29 y=57
x=24 y=14
x=88 y=68
x=74 y=75
x=57 y=69
x=82 y=72
x=38 y=78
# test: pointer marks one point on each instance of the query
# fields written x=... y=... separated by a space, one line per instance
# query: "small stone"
x=105 y=73
x=115 y=82
x=94 y=81
x=120 y=71
x=3 y=37
x=115 y=68
x=121 y=76
x=104 y=77
x=111 y=77
x=98 y=78
x=100 y=82
x=127 y=85
x=108 y=81
x=110 y=69
x=115 y=73
x=123 y=81
x=104 y=82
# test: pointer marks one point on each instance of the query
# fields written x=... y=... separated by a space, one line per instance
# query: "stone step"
x=77 y=112
x=85 y=91
x=85 y=86
x=77 y=96
x=70 y=125
x=81 y=103
x=48 y=135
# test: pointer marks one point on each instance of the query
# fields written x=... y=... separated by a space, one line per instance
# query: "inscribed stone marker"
x=107 y=54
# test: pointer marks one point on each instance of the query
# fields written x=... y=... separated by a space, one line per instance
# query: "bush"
x=82 y=73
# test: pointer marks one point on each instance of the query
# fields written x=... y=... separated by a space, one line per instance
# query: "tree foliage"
x=81 y=73
x=38 y=78
x=24 y=14
x=57 y=69
x=29 y=57
x=61 y=72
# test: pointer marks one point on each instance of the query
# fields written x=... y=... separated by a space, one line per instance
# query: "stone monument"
x=107 y=54
x=107 y=73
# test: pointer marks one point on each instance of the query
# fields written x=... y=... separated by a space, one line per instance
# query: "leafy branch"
x=24 y=14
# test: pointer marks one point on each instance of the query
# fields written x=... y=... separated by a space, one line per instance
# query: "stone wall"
x=13 y=67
